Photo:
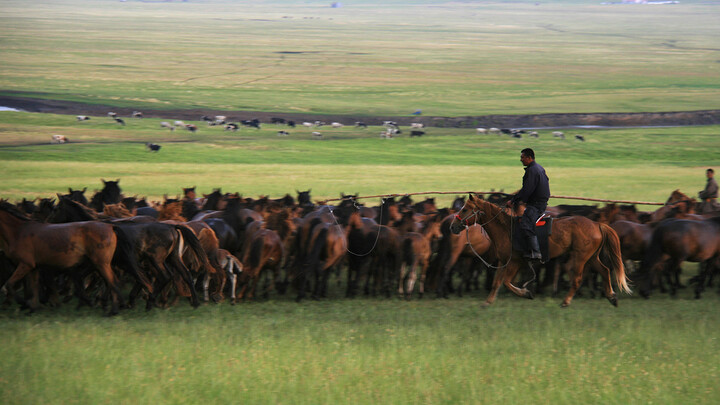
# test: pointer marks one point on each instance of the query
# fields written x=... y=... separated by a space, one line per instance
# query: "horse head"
x=474 y=208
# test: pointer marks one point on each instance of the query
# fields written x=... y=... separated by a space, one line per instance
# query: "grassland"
x=367 y=57
x=662 y=350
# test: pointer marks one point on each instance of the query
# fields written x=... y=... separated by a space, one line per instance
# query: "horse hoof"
x=613 y=301
x=529 y=295
x=486 y=304
x=564 y=305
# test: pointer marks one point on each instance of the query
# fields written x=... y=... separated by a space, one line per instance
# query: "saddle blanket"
x=543 y=230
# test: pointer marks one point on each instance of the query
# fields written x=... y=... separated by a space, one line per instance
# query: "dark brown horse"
x=581 y=240
x=677 y=240
x=29 y=244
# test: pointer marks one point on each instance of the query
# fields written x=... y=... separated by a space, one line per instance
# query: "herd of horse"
x=112 y=250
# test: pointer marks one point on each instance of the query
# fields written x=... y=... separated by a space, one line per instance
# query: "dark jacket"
x=536 y=186
x=711 y=189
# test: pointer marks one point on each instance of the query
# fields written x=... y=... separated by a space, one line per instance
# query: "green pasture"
x=366 y=57
x=367 y=350
x=623 y=164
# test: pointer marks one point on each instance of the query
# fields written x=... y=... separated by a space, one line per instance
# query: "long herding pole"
x=495 y=192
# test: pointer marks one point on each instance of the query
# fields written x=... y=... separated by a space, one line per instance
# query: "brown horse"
x=29 y=244
x=677 y=240
x=417 y=249
x=472 y=244
x=581 y=240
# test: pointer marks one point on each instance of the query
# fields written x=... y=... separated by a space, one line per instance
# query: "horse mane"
x=85 y=212
x=171 y=212
x=677 y=196
x=117 y=210
x=13 y=210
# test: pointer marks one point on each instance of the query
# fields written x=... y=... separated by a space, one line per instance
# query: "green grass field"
x=365 y=58
x=661 y=350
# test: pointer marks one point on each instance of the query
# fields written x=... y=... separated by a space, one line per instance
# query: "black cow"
x=361 y=124
x=153 y=147
x=291 y=124
x=417 y=133
x=255 y=123
x=120 y=121
x=580 y=138
x=277 y=120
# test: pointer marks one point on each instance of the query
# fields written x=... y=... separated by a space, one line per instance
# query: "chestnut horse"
x=581 y=240
x=29 y=244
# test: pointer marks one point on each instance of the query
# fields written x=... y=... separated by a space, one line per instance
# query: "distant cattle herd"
x=391 y=129
x=223 y=246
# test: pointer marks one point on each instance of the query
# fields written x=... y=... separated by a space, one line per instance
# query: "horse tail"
x=610 y=253
x=317 y=247
x=408 y=252
x=255 y=253
x=193 y=243
x=126 y=258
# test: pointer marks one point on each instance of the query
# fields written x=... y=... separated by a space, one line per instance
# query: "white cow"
x=558 y=134
x=336 y=125
x=82 y=118
x=481 y=130
x=166 y=124
x=308 y=124
x=419 y=125
x=317 y=135
x=59 y=139
x=494 y=130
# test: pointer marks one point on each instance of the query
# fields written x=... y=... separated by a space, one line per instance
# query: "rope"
x=563 y=197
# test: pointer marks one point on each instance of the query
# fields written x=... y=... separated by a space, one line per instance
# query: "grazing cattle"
x=112 y=114
x=254 y=123
x=481 y=131
x=274 y=120
x=417 y=133
x=417 y=125
x=516 y=135
x=232 y=127
x=179 y=124
x=580 y=138
x=190 y=127
x=307 y=124
x=283 y=133
x=166 y=124
x=361 y=124
x=319 y=123
x=494 y=130
x=558 y=134
x=153 y=147
x=82 y=118
x=533 y=134
x=386 y=135
x=316 y=135
x=291 y=124
x=120 y=121
x=336 y=125
x=137 y=114
x=59 y=139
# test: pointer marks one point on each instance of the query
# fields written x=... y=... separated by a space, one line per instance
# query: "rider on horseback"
x=535 y=193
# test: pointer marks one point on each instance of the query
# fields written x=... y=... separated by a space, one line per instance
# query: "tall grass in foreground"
x=369 y=351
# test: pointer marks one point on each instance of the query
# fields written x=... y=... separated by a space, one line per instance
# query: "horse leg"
x=423 y=273
x=410 y=285
x=178 y=265
x=402 y=289
x=510 y=276
x=20 y=272
x=112 y=283
x=577 y=264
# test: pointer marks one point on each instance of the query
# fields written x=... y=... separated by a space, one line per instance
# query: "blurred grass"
x=365 y=58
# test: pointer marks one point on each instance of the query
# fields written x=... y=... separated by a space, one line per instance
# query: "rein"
x=464 y=222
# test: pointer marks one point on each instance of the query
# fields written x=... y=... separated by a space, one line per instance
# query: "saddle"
x=543 y=230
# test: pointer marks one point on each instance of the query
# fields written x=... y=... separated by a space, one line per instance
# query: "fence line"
x=564 y=197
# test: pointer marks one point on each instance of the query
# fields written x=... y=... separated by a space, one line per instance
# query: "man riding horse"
x=535 y=193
